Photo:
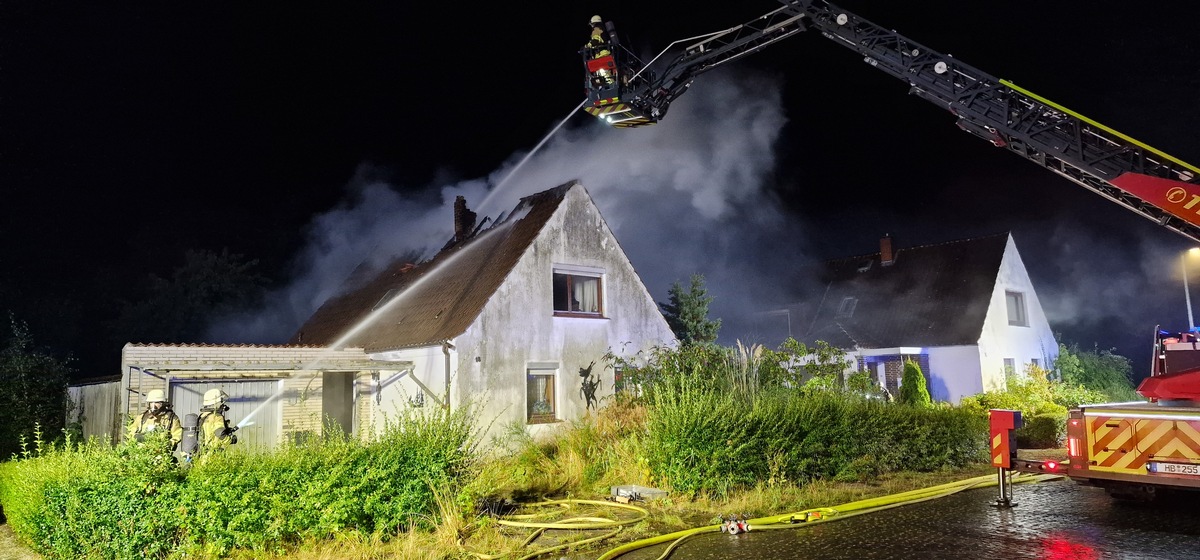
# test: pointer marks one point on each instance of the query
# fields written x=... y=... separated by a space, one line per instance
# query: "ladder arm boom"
x=1145 y=180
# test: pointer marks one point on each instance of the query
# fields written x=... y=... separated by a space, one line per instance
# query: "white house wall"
x=999 y=340
x=517 y=326
x=954 y=372
x=398 y=391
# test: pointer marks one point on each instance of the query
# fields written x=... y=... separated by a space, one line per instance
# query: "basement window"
x=1016 y=309
x=578 y=294
x=540 y=398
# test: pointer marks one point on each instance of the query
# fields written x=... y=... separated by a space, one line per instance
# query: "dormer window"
x=386 y=298
x=866 y=265
x=846 y=309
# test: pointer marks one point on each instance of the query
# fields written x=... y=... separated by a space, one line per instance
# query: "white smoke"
x=685 y=196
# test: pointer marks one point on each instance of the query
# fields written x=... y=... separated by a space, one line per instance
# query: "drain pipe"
x=446 y=347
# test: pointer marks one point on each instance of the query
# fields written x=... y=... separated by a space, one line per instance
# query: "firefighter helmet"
x=596 y=21
x=213 y=397
x=156 y=395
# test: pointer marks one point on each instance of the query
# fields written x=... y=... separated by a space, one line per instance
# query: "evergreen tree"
x=912 y=386
x=686 y=312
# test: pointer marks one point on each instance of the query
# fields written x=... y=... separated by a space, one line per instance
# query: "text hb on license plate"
x=1172 y=468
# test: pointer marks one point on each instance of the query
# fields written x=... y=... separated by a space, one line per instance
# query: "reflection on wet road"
x=1057 y=520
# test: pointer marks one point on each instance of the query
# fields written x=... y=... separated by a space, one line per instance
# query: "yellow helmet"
x=213 y=397
x=156 y=395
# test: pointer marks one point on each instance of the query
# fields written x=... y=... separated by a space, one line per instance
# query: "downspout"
x=446 y=346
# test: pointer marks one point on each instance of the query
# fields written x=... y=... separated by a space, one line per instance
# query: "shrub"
x=133 y=502
x=1043 y=431
x=912 y=386
x=93 y=500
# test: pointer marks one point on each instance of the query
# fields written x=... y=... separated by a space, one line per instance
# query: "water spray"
x=530 y=154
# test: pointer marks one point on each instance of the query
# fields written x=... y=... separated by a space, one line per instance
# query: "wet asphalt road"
x=1057 y=520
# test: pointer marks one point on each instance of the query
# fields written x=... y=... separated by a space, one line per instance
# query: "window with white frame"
x=1016 y=309
x=540 y=394
x=578 y=293
x=1010 y=366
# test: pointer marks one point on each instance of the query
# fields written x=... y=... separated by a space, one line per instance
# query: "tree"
x=912 y=386
x=686 y=312
x=1098 y=370
x=178 y=309
x=33 y=390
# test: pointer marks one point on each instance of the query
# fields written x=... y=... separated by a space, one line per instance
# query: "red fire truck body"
x=1135 y=449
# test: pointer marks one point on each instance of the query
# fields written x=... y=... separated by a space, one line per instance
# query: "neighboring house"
x=965 y=311
x=514 y=319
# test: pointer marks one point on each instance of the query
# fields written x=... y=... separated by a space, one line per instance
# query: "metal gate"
x=253 y=403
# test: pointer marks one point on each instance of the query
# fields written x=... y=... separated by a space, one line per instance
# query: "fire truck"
x=1133 y=450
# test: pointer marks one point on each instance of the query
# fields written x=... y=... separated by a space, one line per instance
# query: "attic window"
x=386 y=298
x=1016 y=309
x=578 y=294
x=847 y=307
x=865 y=266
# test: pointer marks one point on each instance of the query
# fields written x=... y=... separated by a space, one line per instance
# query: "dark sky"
x=309 y=136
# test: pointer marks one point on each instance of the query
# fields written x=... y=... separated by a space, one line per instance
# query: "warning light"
x=1052 y=466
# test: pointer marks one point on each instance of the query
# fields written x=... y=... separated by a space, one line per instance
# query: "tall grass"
x=703 y=440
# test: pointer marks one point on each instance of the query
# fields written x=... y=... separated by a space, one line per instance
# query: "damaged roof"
x=406 y=305
x=934 y=295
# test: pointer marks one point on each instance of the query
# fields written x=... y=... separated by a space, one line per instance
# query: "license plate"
x=1173 y=468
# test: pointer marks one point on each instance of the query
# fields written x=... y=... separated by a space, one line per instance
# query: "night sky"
x=313 y=137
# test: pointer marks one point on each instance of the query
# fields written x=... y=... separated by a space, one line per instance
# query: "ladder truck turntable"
x=1133 y=450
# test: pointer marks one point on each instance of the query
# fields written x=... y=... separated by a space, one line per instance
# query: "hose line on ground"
x=821 y=515
x=570 y=523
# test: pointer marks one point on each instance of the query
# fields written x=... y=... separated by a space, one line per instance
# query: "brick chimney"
x=886 y=256
x=464 y=220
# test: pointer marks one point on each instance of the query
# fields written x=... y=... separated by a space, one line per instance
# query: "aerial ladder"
x=1155 y=185
x=1131 y=449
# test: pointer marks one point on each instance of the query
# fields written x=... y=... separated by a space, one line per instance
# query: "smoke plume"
x=688 y=195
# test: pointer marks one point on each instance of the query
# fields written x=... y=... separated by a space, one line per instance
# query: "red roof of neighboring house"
x=435 y=300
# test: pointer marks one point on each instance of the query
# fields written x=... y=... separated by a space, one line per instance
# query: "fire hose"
x=783 y=521
x=820 y=515
x=570 y=523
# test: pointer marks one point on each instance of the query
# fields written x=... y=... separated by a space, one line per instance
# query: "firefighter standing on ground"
x=215 y=432
x=158 y=416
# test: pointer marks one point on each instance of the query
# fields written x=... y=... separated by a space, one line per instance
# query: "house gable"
x=933 y=295
x=1022 y=335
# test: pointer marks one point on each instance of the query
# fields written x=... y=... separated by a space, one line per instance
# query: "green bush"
x=93 y=500
x=132 y=502
x=1043 y=431
x=702 y=440
x=913 y=386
